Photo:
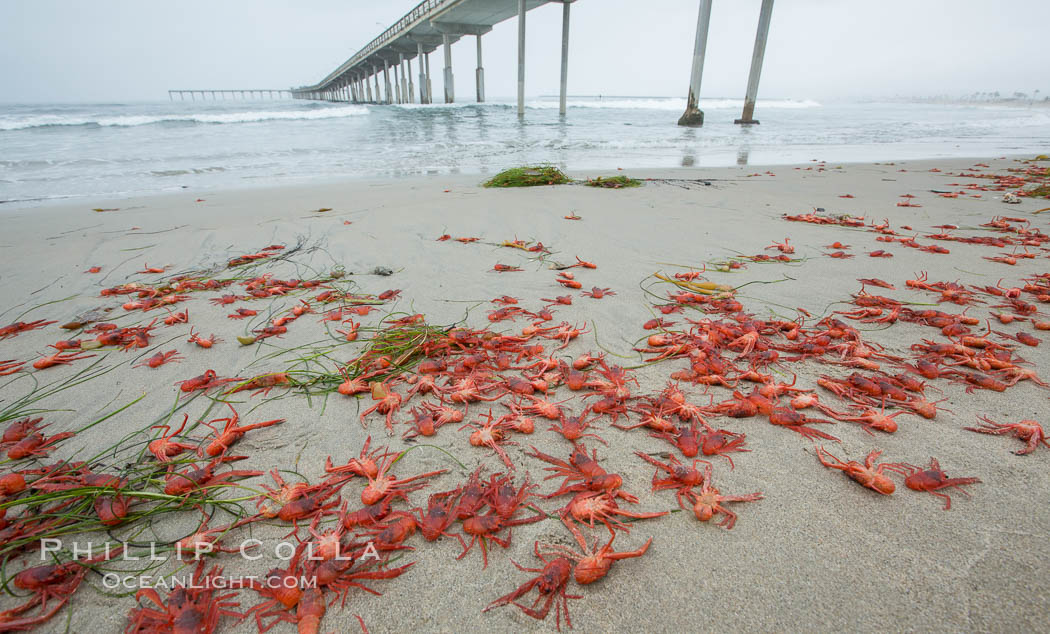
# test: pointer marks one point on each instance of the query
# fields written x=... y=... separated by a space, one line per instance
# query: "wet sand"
x=817 y=553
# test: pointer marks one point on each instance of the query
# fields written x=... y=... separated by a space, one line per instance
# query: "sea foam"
x=23 y=122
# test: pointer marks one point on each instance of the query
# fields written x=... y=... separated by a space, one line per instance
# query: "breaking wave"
x=53 y=120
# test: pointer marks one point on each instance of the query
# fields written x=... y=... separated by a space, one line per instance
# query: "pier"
x=434 y=24
x=248 y=93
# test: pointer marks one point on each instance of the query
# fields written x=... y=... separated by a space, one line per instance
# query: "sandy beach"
x=818 y=552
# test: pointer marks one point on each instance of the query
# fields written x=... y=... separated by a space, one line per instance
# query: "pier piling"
x=386 y=82
x=430 y=86
x=422 y=74
x=405 y=95
x=403 y=84
x=411 y=83
x=446 y=48
x=764 y=17
x=479 y=75
x=564 y=55
x=521 y=58
x=693 y=116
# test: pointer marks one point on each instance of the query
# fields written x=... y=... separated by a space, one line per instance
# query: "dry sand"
x=818 y=553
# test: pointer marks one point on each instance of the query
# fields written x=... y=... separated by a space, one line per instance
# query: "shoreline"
x=334 y=185
x=818 y=552
x=129 y=151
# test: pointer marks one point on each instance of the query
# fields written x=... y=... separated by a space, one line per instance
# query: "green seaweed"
x=529 y=176
x=613 y=182
x=1043 y=191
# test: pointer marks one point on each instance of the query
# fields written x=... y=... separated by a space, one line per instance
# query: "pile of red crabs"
x=478 y=396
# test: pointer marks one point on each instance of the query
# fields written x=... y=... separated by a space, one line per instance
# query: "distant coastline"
x=1022 y=101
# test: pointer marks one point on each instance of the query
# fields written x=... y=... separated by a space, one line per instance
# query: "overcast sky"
x=108 y=50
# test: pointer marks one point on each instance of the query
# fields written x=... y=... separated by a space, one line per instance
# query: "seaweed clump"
x=614 y=182
x=529 y=176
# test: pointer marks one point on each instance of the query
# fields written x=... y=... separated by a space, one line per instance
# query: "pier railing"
x=247 y=93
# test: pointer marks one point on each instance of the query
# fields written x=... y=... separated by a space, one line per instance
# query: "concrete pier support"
x=368 y=89
x=564 y=56
x=411 y=85
x=397 y=84
x=405 y=95
x=479 y=76
x=386 y=83
x=693 y=116
x=430 y=85
x=422 y=74
x=521 y=58
x=748 y=116
x=379 y=95
x=450 y=90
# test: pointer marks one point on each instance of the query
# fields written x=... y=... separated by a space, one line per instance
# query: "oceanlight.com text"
x=113 y=581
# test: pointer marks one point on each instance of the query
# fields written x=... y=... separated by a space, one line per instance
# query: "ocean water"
x=55 y=152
